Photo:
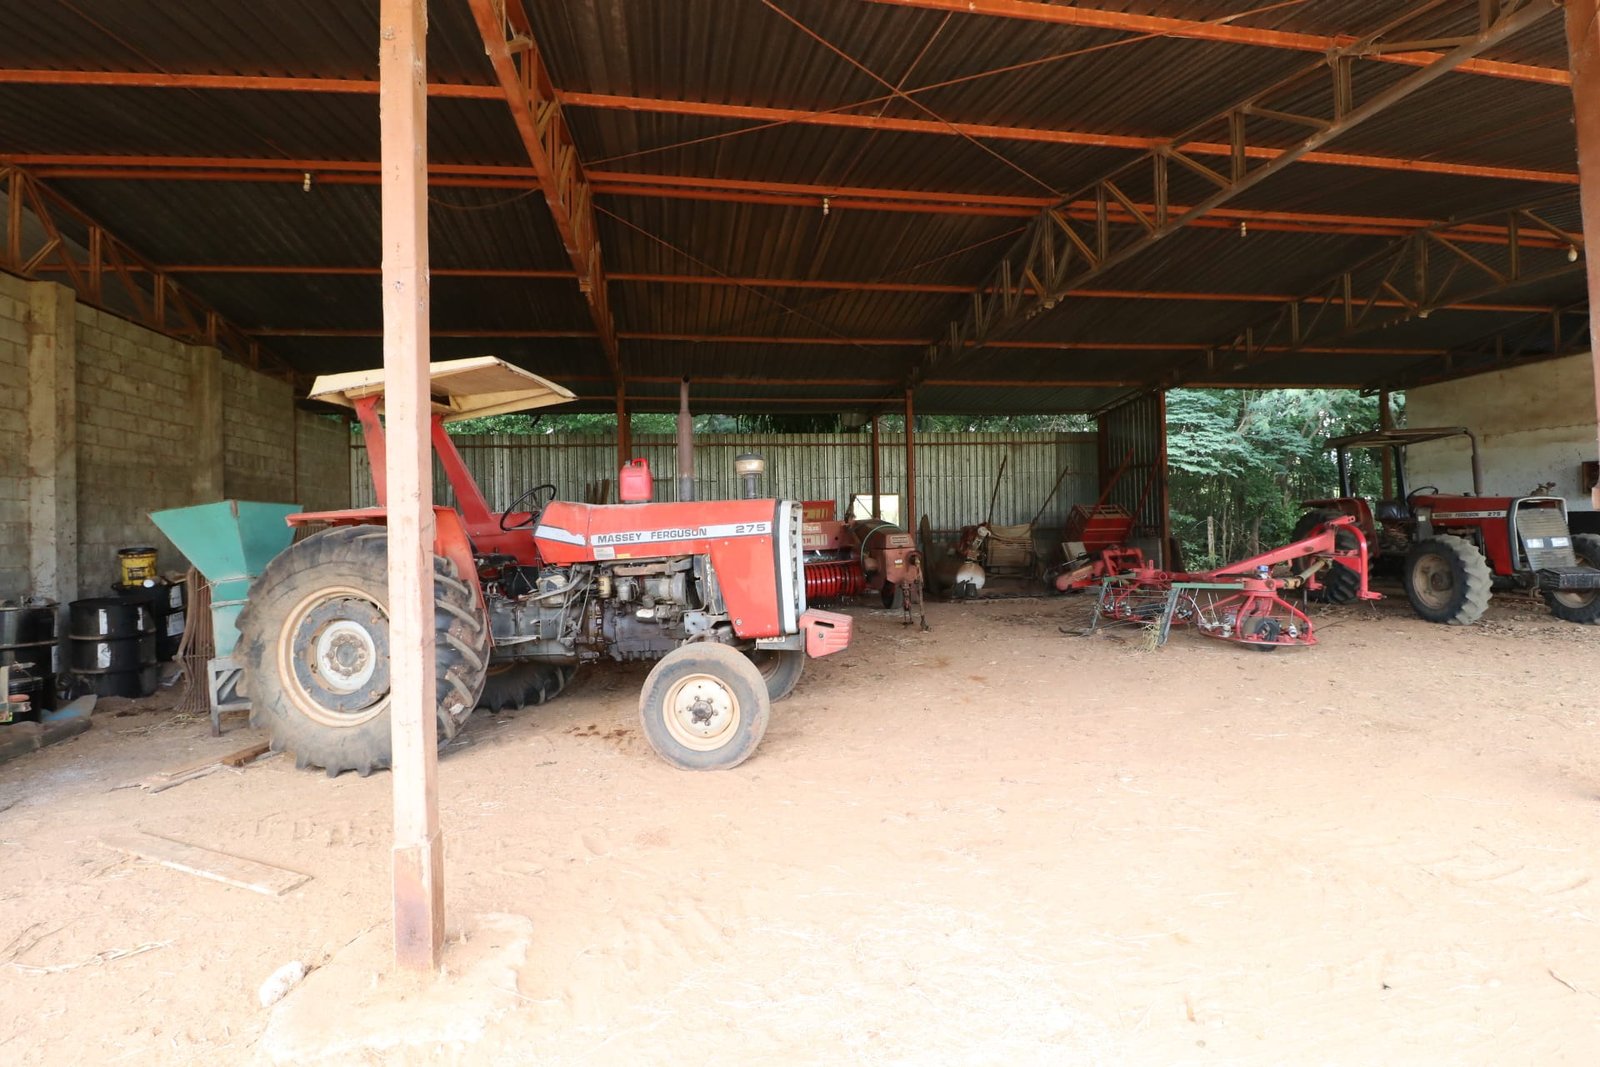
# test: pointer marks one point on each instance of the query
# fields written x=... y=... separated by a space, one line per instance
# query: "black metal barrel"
x=28 y=639
x=113 y=646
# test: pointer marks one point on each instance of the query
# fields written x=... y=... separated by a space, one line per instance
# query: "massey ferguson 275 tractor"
x=1454 y=548
x=713 y=590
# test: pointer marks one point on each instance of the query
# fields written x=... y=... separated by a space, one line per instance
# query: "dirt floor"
x=995 y=843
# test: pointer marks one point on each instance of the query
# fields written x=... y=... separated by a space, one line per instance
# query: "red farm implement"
x=1243 y=602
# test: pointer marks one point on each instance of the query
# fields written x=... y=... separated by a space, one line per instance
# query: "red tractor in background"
x=714 y=591
x=1454 y=549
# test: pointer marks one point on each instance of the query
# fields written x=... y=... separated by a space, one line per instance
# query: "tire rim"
x=1434 y=582
x=334 y=653
x=1575 y=600
x=701 y=713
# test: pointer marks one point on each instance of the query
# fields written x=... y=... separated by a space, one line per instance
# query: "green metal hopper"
x=230 y=543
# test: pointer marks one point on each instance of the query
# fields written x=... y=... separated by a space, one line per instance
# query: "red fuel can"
x=633 y=482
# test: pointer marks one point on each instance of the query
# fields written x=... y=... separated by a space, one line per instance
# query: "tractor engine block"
x=632 y=610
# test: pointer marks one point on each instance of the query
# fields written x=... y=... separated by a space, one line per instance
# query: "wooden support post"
x=624 y=430
x=908 y=514
x=877 y=491
x=1583 y=54
x=1386 y=422
x=402 y=120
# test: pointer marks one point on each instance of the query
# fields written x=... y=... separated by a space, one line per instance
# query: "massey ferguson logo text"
x=683 y=533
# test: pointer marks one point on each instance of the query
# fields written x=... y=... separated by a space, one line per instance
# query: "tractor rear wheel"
x=1447 y=580
x=314 y=640
x=1340 y=584
x=516 y=685
x=704 y=707
x=1578 y=605
x=780 y=668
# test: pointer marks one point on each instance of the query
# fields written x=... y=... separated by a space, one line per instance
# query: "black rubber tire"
x=354 y=557
x=1583 y=606
x=1269 y=628
x=513 y=685
x=1340 y=584
x=738 y=680
x=1464 y=597
x=780 y=668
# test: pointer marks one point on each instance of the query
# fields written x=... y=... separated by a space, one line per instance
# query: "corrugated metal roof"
x=984 y=70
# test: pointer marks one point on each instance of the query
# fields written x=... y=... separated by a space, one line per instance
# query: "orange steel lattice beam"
x=1057 y=253
x=107 y=273
x=1422 y=273
x=508 y=38
x=1224 y=33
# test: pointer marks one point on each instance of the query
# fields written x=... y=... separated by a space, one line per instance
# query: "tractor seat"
x=1393 y=511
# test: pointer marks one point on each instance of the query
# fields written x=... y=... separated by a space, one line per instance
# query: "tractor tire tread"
x=1477 y=581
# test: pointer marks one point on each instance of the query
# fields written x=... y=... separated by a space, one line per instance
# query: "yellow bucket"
x=138 y=565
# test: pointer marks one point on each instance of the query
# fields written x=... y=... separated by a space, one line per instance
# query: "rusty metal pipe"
x=685 y=443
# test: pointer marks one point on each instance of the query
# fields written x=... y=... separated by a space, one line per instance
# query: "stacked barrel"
x=113 y=649
x=28 y=646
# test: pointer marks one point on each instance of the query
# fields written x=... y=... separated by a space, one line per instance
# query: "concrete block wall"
x=258 y=420
x=13 y=436
x=103 y=421
x=136 y=440
x=323 y=461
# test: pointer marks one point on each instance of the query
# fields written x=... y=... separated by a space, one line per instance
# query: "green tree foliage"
x=1242 y=461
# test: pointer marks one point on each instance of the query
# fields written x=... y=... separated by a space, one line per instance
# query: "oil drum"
x=25 y=696
x=113 y=646
x=28 y=641
x=166 y=601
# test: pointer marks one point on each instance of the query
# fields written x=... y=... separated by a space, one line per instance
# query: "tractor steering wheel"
x=1420 y=490
x=532 y=514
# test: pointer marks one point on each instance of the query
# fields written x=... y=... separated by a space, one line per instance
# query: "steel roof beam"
x=1421 y=273
x=514 y=54
x=1057 y=254
x=107 y=273
x=1221 y=32
x=838 y=117
x=1079 y=138
x=718 y=190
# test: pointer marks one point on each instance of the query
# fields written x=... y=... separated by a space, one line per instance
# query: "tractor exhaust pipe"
x=685 y=443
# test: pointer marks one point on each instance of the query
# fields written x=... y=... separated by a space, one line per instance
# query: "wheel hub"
x=701 y=712
x=336 y=645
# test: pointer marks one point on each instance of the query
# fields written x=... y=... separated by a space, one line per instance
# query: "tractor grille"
x=1544 y=536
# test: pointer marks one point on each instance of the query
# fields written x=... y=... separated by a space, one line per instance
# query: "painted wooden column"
x=908 y=515
x=1386 y=422
x=1583 y=55
x=418 y=848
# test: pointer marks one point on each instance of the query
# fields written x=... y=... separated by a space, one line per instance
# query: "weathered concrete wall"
x=137 y=440
x=258 y=415
x=103 y=421
x=1534 y=424
x=13 y=436
x=323 y=462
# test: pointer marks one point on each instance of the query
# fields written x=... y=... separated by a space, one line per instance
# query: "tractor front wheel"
x=704 y=707
x=314 y=640
x=1447 y=580
x=1578 y=605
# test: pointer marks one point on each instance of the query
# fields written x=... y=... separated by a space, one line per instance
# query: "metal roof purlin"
x=508 y=38
x=1056 y=254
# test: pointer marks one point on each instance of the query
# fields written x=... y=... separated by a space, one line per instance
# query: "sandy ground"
x=991 y=844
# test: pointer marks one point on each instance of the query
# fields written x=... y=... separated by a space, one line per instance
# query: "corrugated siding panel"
x=956 y=472
x=1135 y=433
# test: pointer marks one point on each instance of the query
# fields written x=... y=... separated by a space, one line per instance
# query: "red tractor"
x=1454 y=549
x=714 y=591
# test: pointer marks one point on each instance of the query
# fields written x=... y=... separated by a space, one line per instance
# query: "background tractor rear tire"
x=314 y=640
x=523 y=685
x=1447 y=580
x=1340 y=584
x=780 y=668
x=704 y=707
x=1578 y=605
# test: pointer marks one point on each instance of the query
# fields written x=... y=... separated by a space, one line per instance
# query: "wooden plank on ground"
x=221 y=867
x=236 y=758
